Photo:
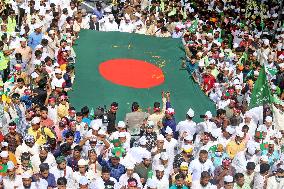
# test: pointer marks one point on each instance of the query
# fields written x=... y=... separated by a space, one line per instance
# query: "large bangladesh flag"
x=123 y=67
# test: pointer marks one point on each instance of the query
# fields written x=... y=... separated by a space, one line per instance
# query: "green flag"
x=261 y=93
x=3 y=168
x=193 y=26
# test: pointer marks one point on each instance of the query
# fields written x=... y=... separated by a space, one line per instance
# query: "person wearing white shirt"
x=27 y=146
x=58 y=80
x=62 y=170
x=160 y=178
x=28 y=184
x=110 y=25
x=126 y=25
x=129 y=174
x=242 y=158
x=43 y=157
x=171 y=144
x=250 y=123
x=11 y=181
x=203 y=183
x=197 y=166
x=121 y=128
x=187 y=125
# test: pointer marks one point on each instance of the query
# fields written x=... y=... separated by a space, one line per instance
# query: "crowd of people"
x=47 y=143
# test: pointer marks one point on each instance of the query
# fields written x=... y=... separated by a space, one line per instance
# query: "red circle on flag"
x=132 y=73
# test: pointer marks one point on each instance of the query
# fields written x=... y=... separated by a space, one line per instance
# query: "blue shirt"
x=77 y=136
x=115 y=171
x=50 y=179
x=86 y=120
x=27 y=100
x=34 y=39
x=272 y=158
x=98 y=13
x=169 y=122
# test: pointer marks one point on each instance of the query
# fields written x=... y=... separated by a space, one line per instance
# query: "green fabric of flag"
x=193 y=26
x=261 y=93
x=3 y=168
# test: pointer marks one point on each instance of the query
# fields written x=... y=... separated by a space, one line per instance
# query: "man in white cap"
x=250 y=123
x=121 y=127
x=243 y=157
x=268 y=123
x=35 y=37
x=84 y=183
x=28 y=184
x=276 y=181
x=25 y=51
x=57 y=81
x=110 y=25
x=126 y=25
x=160 y=145
x=151 y=184
x=207 y=124
x=139 y=152
x=12 y=180
x=83 y=172
x=129 y=174
x=228 y=182
x=161 y=179
x=188 y=125
x=171 y=144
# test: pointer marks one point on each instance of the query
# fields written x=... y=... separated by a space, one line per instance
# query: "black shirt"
x=111 y=122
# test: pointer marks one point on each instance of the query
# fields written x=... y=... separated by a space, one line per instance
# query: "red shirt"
x=208 y=82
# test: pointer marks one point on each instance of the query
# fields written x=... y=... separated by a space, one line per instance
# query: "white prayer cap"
x=150 y=123
x=35 y=120
x=26 y=175
x=121 y=124
x=235 y=45
x=264 y=158
x=57 y=71
x=67 y=48
x=101 y=132
x=266 y=42
x=281 y=167
x=208 y=114
x=221 y=55
x=189 y=137
x=170 y=111
x=251 y=149
x=256 y=73
x=230 y=130
x=38 y=46
x=168 y=130
x=36 y=26
x=111 y=17
x=160 y=168
x=147 y=155
x=164 y=156
x=210 y=35
x=130 y=166
x=4 y=154
x=151 y=183
x=22 y=39
x=236 y=82
x=160 y=137
x=137 y=14
x=228 y=179
x=248 y=115
x=10 y=165
x=216 y=132
x=143 y=140
x=95 y=125
x=5 y=144
x=122 y=134
x=187 y=148
x=83 y=180
x=268 y=119
x=82 y=162
x=190 y=112
x=238 y=87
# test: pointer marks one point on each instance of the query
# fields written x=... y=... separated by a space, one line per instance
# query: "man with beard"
x=28 y=184
x=276 y=181
x=12 y=180
x=144 y=167
x=204 y=182
x=225 y=169
x=43 y=157
x=129 y=174
x=105 y=180
x=200 y=164
x=27 y=146
x=62 y=170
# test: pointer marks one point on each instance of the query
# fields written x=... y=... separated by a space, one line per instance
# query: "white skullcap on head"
x=190 y=112
x=4 y=154
x=160 y=168
x=239 y=133
x=230 y=130
x=121 y=124
x=130 y=166
x=95 y=125
x=82 y=162
x=26 y=175
x=228 y=179
x=147 y=155
x=122 y=134
x=268 y=119
x=35 y=120
x=208 y=114
x=264 y=158
x=168 y=130
x=164 y=156
x=151 y=183
x=189 y=137
x=160 y=137
x=265 y=41
x=83 y=180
